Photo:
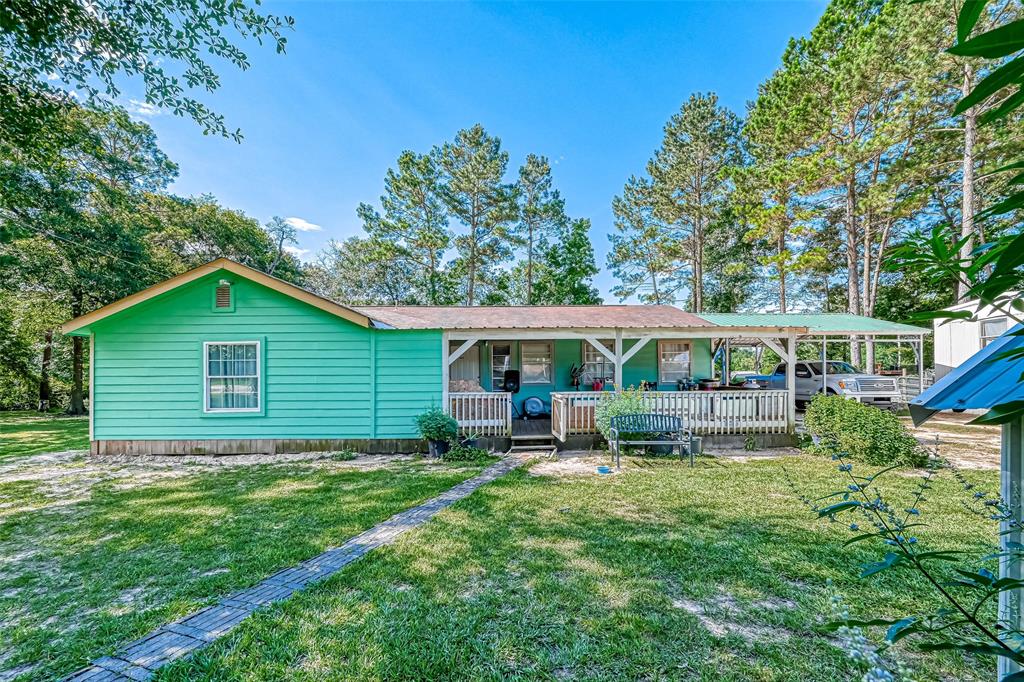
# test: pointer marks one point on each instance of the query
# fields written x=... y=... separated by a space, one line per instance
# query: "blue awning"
x=982 y=382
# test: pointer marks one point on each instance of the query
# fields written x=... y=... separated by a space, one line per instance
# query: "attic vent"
x=223 y=298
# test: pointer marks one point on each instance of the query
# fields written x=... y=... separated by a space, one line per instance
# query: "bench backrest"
x=647 y=423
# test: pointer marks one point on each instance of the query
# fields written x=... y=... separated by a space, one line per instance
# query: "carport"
x=825 y=330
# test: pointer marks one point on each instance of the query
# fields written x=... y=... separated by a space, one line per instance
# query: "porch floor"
x=531 y=427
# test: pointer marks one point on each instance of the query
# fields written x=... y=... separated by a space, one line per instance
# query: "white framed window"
x=595 y=364
x=673 y=361
x=231 y=372
x=992 y=329
x=535 y=362
x=501 y=360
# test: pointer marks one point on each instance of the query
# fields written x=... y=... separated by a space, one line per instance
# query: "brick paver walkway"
x=138 y=660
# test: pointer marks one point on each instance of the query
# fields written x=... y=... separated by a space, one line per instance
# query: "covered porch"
x=560 y=367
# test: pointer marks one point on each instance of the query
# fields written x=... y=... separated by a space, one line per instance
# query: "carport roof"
x=817 y=324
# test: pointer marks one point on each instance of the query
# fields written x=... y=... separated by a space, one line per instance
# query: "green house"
x=226 y=359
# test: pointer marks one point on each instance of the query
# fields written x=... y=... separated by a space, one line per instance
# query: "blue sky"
x=588 y=85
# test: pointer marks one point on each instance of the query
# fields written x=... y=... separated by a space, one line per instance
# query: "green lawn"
x=664 y=572
x=86 y=565
x=30 y=433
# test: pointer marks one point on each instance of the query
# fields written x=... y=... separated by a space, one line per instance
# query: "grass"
x=87 y=565
x=25 y=433
x=662 y=572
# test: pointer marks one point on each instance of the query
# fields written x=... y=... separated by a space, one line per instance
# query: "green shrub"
x=865 y=433
x=459 y=452
x=435 y=424
x=629 y=401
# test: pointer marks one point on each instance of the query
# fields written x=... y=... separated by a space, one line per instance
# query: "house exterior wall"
x=957 y=340
x=322 y=377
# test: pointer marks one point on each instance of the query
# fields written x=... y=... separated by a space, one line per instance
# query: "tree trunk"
x=77 y=405
x=781 y=249
x=698 y=267
x=529 y=269
x=471 y=272
x=852 y=279
x=44 y=373
x=967 y=210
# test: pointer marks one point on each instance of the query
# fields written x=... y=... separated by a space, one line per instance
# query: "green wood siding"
x=408 y=379
x=322 y=376
x=316 y=375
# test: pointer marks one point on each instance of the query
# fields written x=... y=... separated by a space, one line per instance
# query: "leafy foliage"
x=966 y=584
x=435 y=424
x=461 y=452
x=866 y=433
x=670 y=223
x=627 y=401
x=91 y=48
x=457 y=197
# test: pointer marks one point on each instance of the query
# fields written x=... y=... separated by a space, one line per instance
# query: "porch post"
x=1011 y=567
x=791 y=382
x=920 y=363
x=444 y=372
x=618 y=360
x=726 y=364
x=824 y=364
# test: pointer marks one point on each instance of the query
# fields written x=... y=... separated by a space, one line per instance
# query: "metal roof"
x=533 y=317
x=983 y=381
x=816 y=323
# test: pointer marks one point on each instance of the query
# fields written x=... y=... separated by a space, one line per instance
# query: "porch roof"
x=818 y=324
x=533 y=317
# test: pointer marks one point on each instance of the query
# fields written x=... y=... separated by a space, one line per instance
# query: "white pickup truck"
x=839 y=378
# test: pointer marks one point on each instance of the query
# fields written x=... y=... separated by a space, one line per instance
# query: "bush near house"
x=867 y=434
x=629 y=401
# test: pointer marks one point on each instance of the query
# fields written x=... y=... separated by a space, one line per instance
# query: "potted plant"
x=438 y=429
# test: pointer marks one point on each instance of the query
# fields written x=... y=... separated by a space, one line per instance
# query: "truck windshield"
x=834 y=367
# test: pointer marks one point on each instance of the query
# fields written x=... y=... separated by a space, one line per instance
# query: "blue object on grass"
x=604 y=469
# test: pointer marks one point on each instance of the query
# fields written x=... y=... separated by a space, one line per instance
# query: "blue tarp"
x=983 y=381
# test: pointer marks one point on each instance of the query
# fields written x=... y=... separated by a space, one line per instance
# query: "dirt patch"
x=65 y=478
x=722 y=615
x=968 y=446
x=574 y=463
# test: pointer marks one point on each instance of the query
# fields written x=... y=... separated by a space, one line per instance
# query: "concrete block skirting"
x=256 y=446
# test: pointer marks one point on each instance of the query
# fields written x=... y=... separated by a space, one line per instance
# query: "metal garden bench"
x=650 y=425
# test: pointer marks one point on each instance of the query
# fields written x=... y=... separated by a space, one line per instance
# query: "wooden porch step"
x=534 y=448
x=531 y=436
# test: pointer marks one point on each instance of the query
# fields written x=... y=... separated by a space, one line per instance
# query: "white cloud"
x=296 y=251
x=52 y=76
x=143 y=108
x=302 y=225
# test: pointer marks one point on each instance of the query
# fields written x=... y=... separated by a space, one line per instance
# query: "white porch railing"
x=706 y=412
x=482 y=413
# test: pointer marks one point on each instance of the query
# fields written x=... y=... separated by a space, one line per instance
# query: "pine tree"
x=473 y=169
x=568 y=267
x=414 y=221
x=690 y=179
x=644 y=253
x=541 y=212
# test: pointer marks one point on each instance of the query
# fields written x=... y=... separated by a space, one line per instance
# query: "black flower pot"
x=438 y=448
x=665 y=449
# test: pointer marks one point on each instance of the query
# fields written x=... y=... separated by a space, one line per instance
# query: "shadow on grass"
x=582 y=578
x=77 y=580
